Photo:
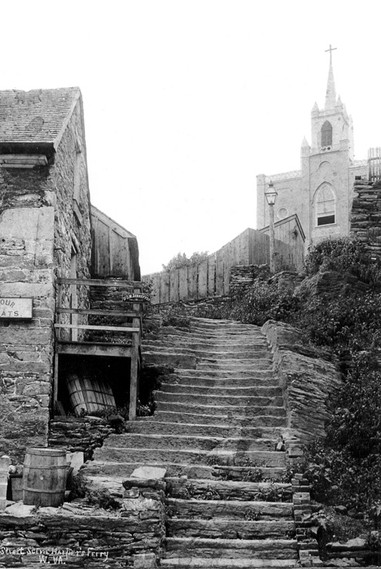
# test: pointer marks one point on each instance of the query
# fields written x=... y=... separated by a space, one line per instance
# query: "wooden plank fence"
x=211 y=277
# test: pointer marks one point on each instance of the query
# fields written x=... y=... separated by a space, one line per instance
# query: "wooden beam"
x=55 y=378
x=95 y=349
x=134 y=379
x=105 y=328
x=102 y=283
x=127 y=314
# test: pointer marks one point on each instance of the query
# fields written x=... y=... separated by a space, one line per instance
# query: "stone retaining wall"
x=78 y=535
x=307 y=379
x=366 y=215
x=78 y=434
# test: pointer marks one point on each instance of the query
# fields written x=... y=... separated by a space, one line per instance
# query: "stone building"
x=45 y=234
x=321 y=192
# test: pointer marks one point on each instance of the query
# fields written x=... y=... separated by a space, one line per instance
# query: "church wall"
x=327 y=162
x=37 y=226
x=287 y=202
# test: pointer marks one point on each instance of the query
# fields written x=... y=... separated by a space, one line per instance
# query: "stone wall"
x=26 y=347
x=38 y=225
x=366 y=215
x=79 y=434
x=80 y=535
x=307 y=377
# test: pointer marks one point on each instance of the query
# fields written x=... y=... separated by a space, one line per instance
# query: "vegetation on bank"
x=345 y=468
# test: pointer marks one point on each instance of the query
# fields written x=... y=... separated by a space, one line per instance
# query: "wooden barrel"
x=89 y=394
x=44 y=477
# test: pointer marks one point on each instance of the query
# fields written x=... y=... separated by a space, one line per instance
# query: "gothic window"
x=326 y=134
x=325 y=205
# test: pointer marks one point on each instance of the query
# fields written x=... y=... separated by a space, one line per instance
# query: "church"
x=321 y=192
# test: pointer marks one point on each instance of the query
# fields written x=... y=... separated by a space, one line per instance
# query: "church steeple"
x=330 y=96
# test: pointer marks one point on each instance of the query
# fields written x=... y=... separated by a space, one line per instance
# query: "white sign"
x=16 y=308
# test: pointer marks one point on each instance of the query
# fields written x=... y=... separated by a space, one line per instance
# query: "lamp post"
x=271 y=195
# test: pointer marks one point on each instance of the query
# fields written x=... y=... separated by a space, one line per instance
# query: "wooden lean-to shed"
x=115 y=250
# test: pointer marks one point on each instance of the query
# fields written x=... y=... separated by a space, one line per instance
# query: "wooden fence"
x=212 y=276
x=374 y=164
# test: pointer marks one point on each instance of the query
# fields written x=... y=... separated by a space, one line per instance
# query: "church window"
x=326 y=134
x=325 y=206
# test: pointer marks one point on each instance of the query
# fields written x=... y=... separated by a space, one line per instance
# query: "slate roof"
x=35 y=117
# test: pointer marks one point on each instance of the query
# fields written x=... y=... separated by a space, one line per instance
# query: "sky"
x=186 y=101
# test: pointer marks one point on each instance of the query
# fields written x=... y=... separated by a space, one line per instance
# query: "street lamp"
x=271 y=195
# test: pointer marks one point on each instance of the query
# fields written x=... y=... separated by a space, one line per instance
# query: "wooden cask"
x=44 y=477
x=89 y=395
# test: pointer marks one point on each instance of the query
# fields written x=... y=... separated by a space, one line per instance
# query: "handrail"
x=102 y=283
x=95 y=312
x=95 y=327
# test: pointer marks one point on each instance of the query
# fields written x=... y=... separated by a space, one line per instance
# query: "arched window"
x=325 y=206
x=326 y=134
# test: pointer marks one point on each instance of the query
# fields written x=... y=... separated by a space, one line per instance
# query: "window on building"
x=326 y=134
x=325 y=204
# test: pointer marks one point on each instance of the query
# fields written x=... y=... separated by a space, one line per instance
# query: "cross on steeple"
x=331 y=49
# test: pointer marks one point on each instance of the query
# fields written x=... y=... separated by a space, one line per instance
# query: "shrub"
x=181 y=260
x=264 y=301
x=346 y=256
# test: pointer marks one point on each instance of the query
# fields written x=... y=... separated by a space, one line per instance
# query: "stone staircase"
x=216 y=431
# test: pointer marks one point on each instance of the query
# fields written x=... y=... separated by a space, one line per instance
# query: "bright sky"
x=186 y=101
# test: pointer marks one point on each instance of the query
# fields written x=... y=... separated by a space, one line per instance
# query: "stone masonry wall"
x=36 y=224
x=307 y=379
x=26 y=270
x=72 y=227
x=366 y=215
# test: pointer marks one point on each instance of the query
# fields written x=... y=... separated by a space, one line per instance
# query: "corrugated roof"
x=37 y=116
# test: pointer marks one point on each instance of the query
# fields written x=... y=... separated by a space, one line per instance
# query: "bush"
x=264 y=301
x=346 y=256
x=181 y=260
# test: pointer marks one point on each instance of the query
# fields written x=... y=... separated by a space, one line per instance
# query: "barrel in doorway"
x=44 y=477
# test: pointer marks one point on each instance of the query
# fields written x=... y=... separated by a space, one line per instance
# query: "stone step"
x=174 y=414
x=225 y=529
x=193 y=562
x=222 y=335
x=216 y=456
x=240 y=410
x=225 y=331
x=168 y=441
x=171 y=335
x=229 y=490
x=146 y=425
x=208 y=382
x=209 y=351
x=123 y=470
x=228 y=400
x=228 y=509
x=227 y=375
x=260 y=363
x=231 y=548
x=208 y=346
x=226 y=390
